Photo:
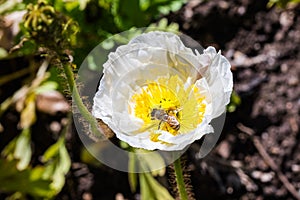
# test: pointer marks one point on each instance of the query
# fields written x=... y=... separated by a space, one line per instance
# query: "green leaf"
x=46 y=86
x=23 y=149
x=151 y=161
x=88 y=158
x=28 y=116
x=71 y=5
x=37 y=173
x=145 y=4
x=165 y=6
x=91 y=62
x=146 y=191
x=163 y=25
x=58 y=164
x=9 y=167
x=9 y=149
x=3 y=53
x=52 y=151
x=19 y=149
x=281 y=3
x=64 y=159
x=235 y=101
x=151 y=189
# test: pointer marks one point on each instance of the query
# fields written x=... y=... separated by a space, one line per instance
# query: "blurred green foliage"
x=40 y=181
x=20 y=177
x=99 y=19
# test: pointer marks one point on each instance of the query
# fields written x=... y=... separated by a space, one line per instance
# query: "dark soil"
x=263 y=46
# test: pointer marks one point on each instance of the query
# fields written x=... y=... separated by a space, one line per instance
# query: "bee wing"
x=150 y=126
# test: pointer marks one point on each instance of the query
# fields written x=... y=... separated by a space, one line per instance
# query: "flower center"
x=167 y=105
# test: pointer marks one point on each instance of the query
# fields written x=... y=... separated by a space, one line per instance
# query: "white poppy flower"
x=158 y=94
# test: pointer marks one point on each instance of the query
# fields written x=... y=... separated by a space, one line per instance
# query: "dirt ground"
x=258 y=154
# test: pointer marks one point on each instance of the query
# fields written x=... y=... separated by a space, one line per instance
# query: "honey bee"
x=168 y=117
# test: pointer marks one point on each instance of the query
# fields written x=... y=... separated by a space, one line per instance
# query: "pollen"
x=168 y=97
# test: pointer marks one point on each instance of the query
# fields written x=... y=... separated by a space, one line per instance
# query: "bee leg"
x=167 y=128
x=159 y=124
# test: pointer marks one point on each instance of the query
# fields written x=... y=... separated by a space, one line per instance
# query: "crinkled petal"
x=163 y=40
x=174 y=51
x=147 y=57
x=219 y=78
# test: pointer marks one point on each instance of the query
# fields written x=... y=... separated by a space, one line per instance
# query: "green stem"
x=179 y=180
x=78 y=101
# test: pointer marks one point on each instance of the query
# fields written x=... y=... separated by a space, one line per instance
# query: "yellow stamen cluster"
x=169 y=95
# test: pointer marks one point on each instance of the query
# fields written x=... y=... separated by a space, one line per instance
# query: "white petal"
x=165 y=40
x=102 y=107
x=176 y=53
x=148 y=57
x=219 y=78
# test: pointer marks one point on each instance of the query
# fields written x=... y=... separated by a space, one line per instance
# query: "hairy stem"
x=78 y=101
x=179 y=180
